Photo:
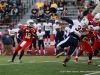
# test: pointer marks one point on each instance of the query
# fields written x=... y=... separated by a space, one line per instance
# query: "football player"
x=72 y=40
x=85 y=44
x=29 y=33
x=47 y=28
x=40 y=35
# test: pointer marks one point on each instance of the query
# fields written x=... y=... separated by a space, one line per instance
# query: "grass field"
x=48 y=65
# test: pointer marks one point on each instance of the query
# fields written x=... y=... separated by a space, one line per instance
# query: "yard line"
x=92 y=73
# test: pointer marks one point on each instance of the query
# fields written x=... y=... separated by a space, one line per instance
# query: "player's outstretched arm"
x=67 y=20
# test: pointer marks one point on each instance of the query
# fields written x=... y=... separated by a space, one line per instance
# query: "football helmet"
x=19 y=24
x=30 y=23
x=84 y=22
x=97 y=18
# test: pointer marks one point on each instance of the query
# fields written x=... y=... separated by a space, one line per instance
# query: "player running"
x=29 y=32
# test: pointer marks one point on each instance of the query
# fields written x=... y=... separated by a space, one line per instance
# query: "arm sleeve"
x=68 y=20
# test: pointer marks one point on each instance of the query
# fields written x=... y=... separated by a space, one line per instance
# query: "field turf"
x=48 y=65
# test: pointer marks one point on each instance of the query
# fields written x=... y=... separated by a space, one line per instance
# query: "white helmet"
x=19 y=24
x=30 y=23
x=84 y=22
x=97 y=18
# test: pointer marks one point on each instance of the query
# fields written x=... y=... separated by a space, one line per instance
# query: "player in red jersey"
x=29 y=32
x=96 y=45
x=85 y=44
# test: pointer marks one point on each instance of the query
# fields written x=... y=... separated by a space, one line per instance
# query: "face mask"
x=39 y=30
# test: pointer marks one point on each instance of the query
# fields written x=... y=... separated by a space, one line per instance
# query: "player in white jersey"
x=37 y=24
x=12 y=33
x=47 y=27
x=72 y=40
x=40 y=35
x=55 y=25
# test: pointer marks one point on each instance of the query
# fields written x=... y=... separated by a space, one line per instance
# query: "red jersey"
x=28 y=33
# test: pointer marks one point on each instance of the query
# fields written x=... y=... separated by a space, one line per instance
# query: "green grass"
x=47 y=65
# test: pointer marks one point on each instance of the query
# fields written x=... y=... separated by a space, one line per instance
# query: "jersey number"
x=28 y=35
x=79 y=28
x=47 y=27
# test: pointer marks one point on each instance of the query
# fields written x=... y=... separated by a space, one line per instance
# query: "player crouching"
x=29 y=32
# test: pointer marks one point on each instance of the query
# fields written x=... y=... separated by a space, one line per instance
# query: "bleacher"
x=26 y=5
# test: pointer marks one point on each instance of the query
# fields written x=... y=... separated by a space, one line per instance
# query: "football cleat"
x=10 y=61
x=91 y=63
x=76 y=60
x=61 y=53
x=64 y=64
x=19 y=61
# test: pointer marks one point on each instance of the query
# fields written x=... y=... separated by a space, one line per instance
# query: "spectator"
x=2 y=13
x=59 y=9
x=40 y=13
x=2 y=5
x=8 y=10
x=34 y=14
x=47 y=13
x=63 y=2
x=46 y=5
x=63 y=13
x=96 y=1
x=14 y=12
x=53 y=18
x=85 y=12
x=7 y=18
x=7 y=41
x=79 y=2
x=93 y=5
x=18 y=4
x=10 y=5
x=65 y=9
x=39 y=4
x=80 y=11
x=53 y=7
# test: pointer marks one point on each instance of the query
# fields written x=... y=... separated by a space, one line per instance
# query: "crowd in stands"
x=56 y=8
x=9 y=10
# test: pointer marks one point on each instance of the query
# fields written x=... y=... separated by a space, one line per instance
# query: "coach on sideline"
x=7 y=41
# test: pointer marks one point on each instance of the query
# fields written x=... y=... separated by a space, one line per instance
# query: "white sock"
x=48 y=41
x=76 y=51
x=44 y=51
x=39 y=51
x=65 y=53
x=55 y=50
x=76 y=56
x=45 y=42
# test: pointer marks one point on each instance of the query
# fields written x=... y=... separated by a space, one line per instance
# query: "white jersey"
x=16 y=30
x=37 y=25
x=77 y=28
x=47 y=26
x=40 y=35
x=11 y=32
x=55 y=26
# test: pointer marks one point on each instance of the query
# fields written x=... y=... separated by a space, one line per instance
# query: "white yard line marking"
x=96 y=72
